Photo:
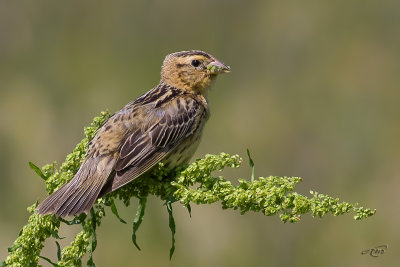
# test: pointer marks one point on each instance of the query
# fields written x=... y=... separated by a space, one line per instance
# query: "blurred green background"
x=314 y=92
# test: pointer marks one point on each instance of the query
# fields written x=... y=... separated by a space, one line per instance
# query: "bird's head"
x=192 y=71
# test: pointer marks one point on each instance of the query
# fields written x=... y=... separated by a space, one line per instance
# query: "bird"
x=163 y=125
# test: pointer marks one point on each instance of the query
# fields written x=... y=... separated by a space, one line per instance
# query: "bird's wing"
x=145 y=147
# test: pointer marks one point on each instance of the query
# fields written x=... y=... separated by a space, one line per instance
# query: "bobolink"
x=163 y=125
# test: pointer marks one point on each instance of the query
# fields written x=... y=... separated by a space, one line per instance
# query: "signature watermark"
x=376 y=251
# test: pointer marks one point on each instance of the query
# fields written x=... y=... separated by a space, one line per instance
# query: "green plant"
x=188 y=184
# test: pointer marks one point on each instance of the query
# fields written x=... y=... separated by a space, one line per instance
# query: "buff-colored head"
x=191 y=70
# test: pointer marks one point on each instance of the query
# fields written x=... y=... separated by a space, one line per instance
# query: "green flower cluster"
x=188 y=184
x=272 y=195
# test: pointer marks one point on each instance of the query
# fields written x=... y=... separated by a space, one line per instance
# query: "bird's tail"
x=79 y=194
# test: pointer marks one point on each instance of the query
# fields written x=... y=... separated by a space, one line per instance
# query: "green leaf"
x=138 y=219
x=189 y=208
x=49 y=261
x=115 y=211
x=94 y=225
x=37 y=170
x=172 y=227
x=58 y=251
x=93 y=244
x=251 y=162
x=55 y=234
x=90 y=262
x=3 y=264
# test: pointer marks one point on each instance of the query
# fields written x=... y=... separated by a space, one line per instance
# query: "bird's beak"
x=217 y=67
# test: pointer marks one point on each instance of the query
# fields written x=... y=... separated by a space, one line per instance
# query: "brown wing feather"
x=178 y=119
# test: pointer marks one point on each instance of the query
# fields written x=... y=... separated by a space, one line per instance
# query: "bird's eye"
x=195 y=63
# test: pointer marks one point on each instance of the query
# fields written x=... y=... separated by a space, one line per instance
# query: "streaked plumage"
x=165 y=124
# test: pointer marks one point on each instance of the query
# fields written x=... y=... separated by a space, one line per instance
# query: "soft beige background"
x=314 y=92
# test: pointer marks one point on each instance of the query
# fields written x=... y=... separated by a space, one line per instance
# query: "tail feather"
x=48 y=205
x=87 y=198
x=74 y=202
x=79 y=194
